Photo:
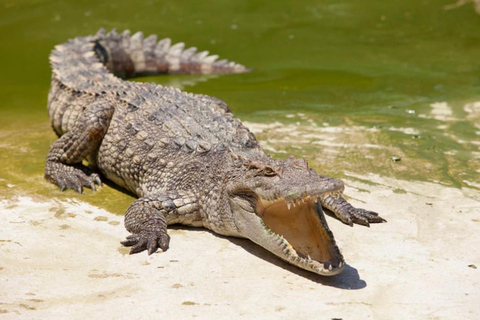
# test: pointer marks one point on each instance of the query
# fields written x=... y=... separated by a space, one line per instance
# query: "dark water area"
x=386 y=88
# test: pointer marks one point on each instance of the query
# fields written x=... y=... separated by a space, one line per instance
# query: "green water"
x=346 y=84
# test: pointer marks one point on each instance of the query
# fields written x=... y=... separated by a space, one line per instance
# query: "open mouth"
x=309 y=243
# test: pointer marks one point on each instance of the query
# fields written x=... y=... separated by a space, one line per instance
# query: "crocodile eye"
x=269 y=172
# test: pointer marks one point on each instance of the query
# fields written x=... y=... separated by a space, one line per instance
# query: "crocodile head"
x=275 y=204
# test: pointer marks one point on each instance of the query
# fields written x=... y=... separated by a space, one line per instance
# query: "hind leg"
x=64 y=160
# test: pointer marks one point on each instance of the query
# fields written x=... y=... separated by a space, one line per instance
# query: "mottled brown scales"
x=185 y=156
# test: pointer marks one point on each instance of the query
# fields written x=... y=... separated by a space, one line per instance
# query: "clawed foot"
x=338 y=207
x=359 y=216
x=71 y=177
x=146 y=240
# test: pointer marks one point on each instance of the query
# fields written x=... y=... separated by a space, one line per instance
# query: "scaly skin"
x=185 y=156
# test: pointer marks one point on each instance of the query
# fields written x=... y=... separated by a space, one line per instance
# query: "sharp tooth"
x=330 y=267
x=289 y=204
x=309 y=257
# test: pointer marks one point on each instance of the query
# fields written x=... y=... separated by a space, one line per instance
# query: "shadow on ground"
x=349 y=279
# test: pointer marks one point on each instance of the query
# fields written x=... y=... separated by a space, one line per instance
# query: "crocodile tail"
x=127 y=56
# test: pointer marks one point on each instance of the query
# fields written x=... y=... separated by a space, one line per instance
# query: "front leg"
x=338 y=207
x=147 y=219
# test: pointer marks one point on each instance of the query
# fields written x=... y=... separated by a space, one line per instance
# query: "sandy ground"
x=62 y=260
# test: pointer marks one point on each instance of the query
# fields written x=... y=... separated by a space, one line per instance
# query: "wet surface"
x=385 y=95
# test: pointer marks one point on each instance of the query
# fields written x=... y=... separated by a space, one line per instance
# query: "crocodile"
x=185 y=156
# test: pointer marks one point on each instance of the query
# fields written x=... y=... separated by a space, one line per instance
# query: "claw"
x=152 y=247
x=375 y=218
x=163 y=243
x=363 y=222
x=140 y=246
x=131 y=240
x=149 y=241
